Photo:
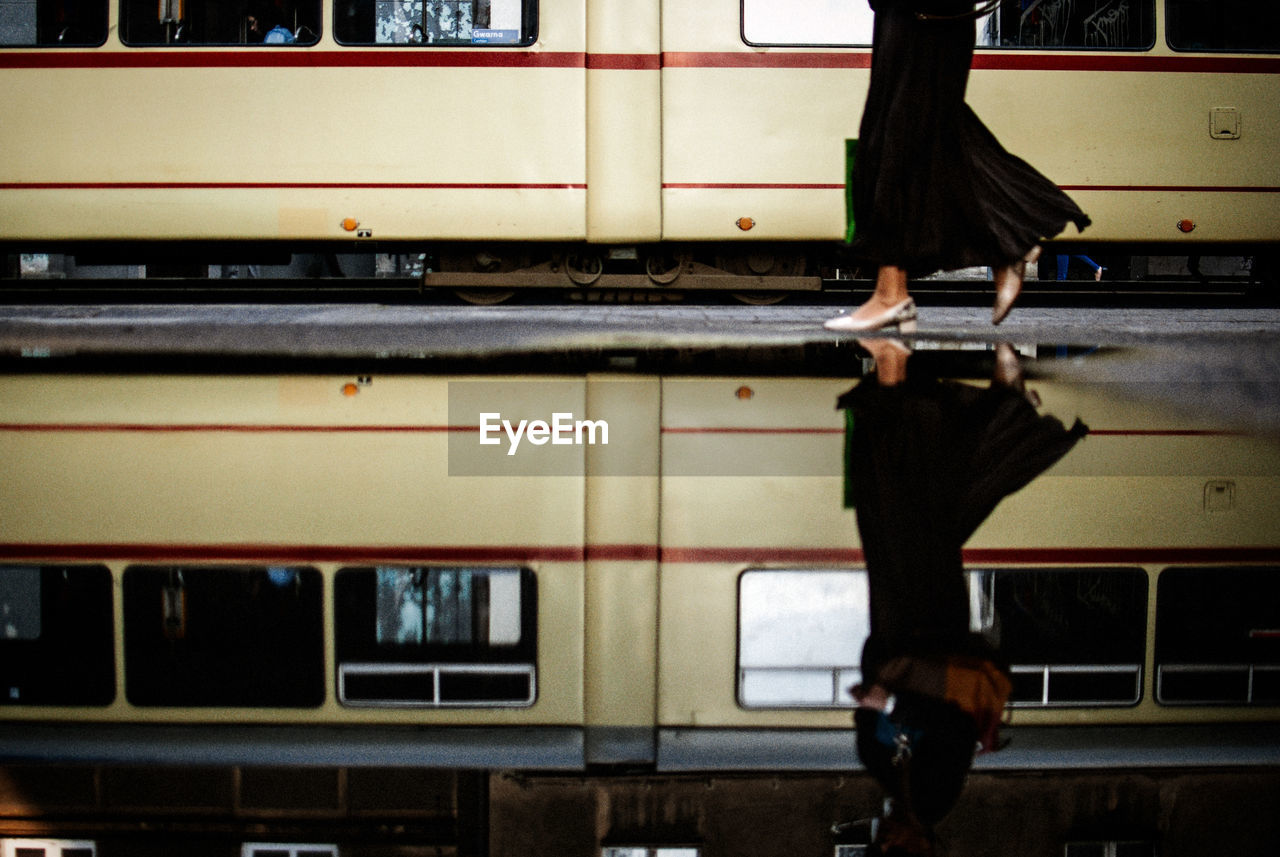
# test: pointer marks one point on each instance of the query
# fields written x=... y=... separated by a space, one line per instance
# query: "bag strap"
x=986 y=8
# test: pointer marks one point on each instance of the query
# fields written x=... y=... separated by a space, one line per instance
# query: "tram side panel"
x=1193 y=168
x=331 y=142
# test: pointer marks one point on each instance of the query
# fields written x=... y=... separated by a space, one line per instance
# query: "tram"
x=489 y=145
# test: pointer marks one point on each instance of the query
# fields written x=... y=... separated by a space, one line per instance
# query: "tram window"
x=436 y=636
x=287 y=849
x=1218 y=636
x=184 y=23
x=224 y=636
x=435 y=23
x=1222 y=25
x=1087 y=24
x=53 y=23
x=1050 y=24
x=1113 y=848
x=56 y=636
x=800 y=636
x=47 y=848
x=835 y=23
x=1075 y=637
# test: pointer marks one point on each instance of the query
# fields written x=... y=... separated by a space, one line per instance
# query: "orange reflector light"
x=745 y=223
x=745 y=393
x=350 y=389
x=1186 y=225
x=350 y=224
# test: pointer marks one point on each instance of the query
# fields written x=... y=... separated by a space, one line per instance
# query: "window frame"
x=984 y=615
x=9 y=846
x=979 y=45
x=530 y=18
x=87 y=623
x=1169 y=658
x=1168 y=40
x=123 y=26
x=144 y=672
x=358 y=653
x=105 y=34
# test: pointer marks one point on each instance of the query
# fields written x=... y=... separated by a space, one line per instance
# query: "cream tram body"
x=622 y=129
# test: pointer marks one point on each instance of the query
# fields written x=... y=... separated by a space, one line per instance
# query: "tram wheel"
x=485 y=297
x=762 y=298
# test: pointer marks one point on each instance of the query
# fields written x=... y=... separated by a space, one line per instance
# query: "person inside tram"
x=263 y=22
x=927 y=461
x=932 y=188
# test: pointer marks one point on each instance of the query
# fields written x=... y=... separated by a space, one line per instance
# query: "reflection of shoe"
x=882 y=347
x=1009 y=285
x=1008 y=373
x=901 y=315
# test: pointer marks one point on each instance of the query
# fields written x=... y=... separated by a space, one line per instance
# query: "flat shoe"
x=901 y=315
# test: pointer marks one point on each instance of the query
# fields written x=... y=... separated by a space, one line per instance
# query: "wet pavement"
x=1219 y=361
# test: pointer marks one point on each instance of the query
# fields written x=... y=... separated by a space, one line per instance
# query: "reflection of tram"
x=323 y=572
x=332 y=551
x=565 y=142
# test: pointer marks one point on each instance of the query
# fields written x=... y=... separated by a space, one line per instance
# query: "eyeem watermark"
x=546 y=427
x=563 y=430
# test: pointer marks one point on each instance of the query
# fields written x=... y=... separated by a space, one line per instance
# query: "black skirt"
x=927 y=462
x=932 y=187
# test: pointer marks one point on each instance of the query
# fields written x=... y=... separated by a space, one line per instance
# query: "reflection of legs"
x=891 y=359
x=904 y=495
x=889 y=305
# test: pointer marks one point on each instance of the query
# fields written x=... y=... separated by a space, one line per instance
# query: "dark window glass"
x=466 y=686
x=1179 y=683
x=1223 y=25
x=56 y=636
x=56 y=23
x=1266 y=686
x=435 y=23
x=272 y=23
x=436 y=636
x=1028 y=686
x=1218 y=635
x=1087 y=24
x=224 y=636
x=1072 y=616
x=1082 y=687
x=1218 y=616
